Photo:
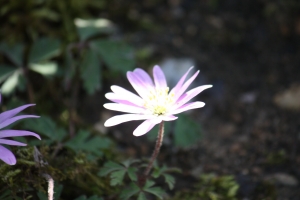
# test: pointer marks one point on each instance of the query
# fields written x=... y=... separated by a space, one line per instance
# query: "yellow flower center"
x=159 y=101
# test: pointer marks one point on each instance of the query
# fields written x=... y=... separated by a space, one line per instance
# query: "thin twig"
x=50 y=186
x=157 y=147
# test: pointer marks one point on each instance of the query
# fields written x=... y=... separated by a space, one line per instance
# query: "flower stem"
x=50 y=186
x=157 y=147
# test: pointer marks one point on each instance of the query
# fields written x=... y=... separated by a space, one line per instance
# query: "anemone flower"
x=7 y=118
x=155 y=102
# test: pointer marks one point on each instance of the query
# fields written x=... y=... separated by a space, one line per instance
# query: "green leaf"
x=46 y=13
x=83 y=141
x=109 y=167
x=10 y=83
x=129 y=162
x=170 y=180
x=117 y=177
x=46 y=69
x=142 y=196
x=232 y=191
x=92 y=27
x=90 y=72
x=129 y=192
x=5 y=71
x=44 y=49
x=14 y=52
x=157 y=191
x=117 y=55
x=47 y=127
x=131 y=173
x=149 y=184
x=187 y=132
x=6 y=195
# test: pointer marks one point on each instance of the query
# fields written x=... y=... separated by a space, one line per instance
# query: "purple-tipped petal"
x=188 y=106
x=180 y=82
x=122 y=94
x=137 y=84
x=12 y=142
x=159 y=78
x=185 y=86
x=17 y=133
x=144 y=77
x=7 y=156
x=146 y=126
x=190 y=94
x=10 y=113
x=115 y=98
x=118 y=119
x=124 y=108
x=13 y=119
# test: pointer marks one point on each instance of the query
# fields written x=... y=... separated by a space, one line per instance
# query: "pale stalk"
x=50 y=186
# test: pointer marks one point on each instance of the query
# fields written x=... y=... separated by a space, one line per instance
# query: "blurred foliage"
x=277 y=158
x=185 y=132
x=212 y=187
x=54 y=51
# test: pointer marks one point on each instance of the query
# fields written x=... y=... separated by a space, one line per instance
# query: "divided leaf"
x=118 y=172
x=129 y=192
x=47 y=127
x=90 y=72
x=13 y=52
x=117 y=55
x=142 y=196
x=170 y=180
x=157 y=191
x=164 y=171
x=10 y=83
x=46 y=69
x=109 y=167
x=93 y=27
x=116 y=177
x=6 y=71
x=44 y=49
x=187 y=132
x=83 y=141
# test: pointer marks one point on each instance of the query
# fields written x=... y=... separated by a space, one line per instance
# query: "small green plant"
x=211 y=187
x=129 y=171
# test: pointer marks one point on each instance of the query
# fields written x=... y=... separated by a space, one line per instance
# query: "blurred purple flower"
x=155 y=103
x=7 y=118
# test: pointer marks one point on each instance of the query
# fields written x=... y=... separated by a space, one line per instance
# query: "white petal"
x=146 y=126
x=168 y=118
x=185 y=86
x=118 y=119
x=189 y=106
x=180 y=82
x=124 y=108
x=123 y=99
x=190 y=94
x=125 y=94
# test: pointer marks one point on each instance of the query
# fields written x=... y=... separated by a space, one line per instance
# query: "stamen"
x=159 y=101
